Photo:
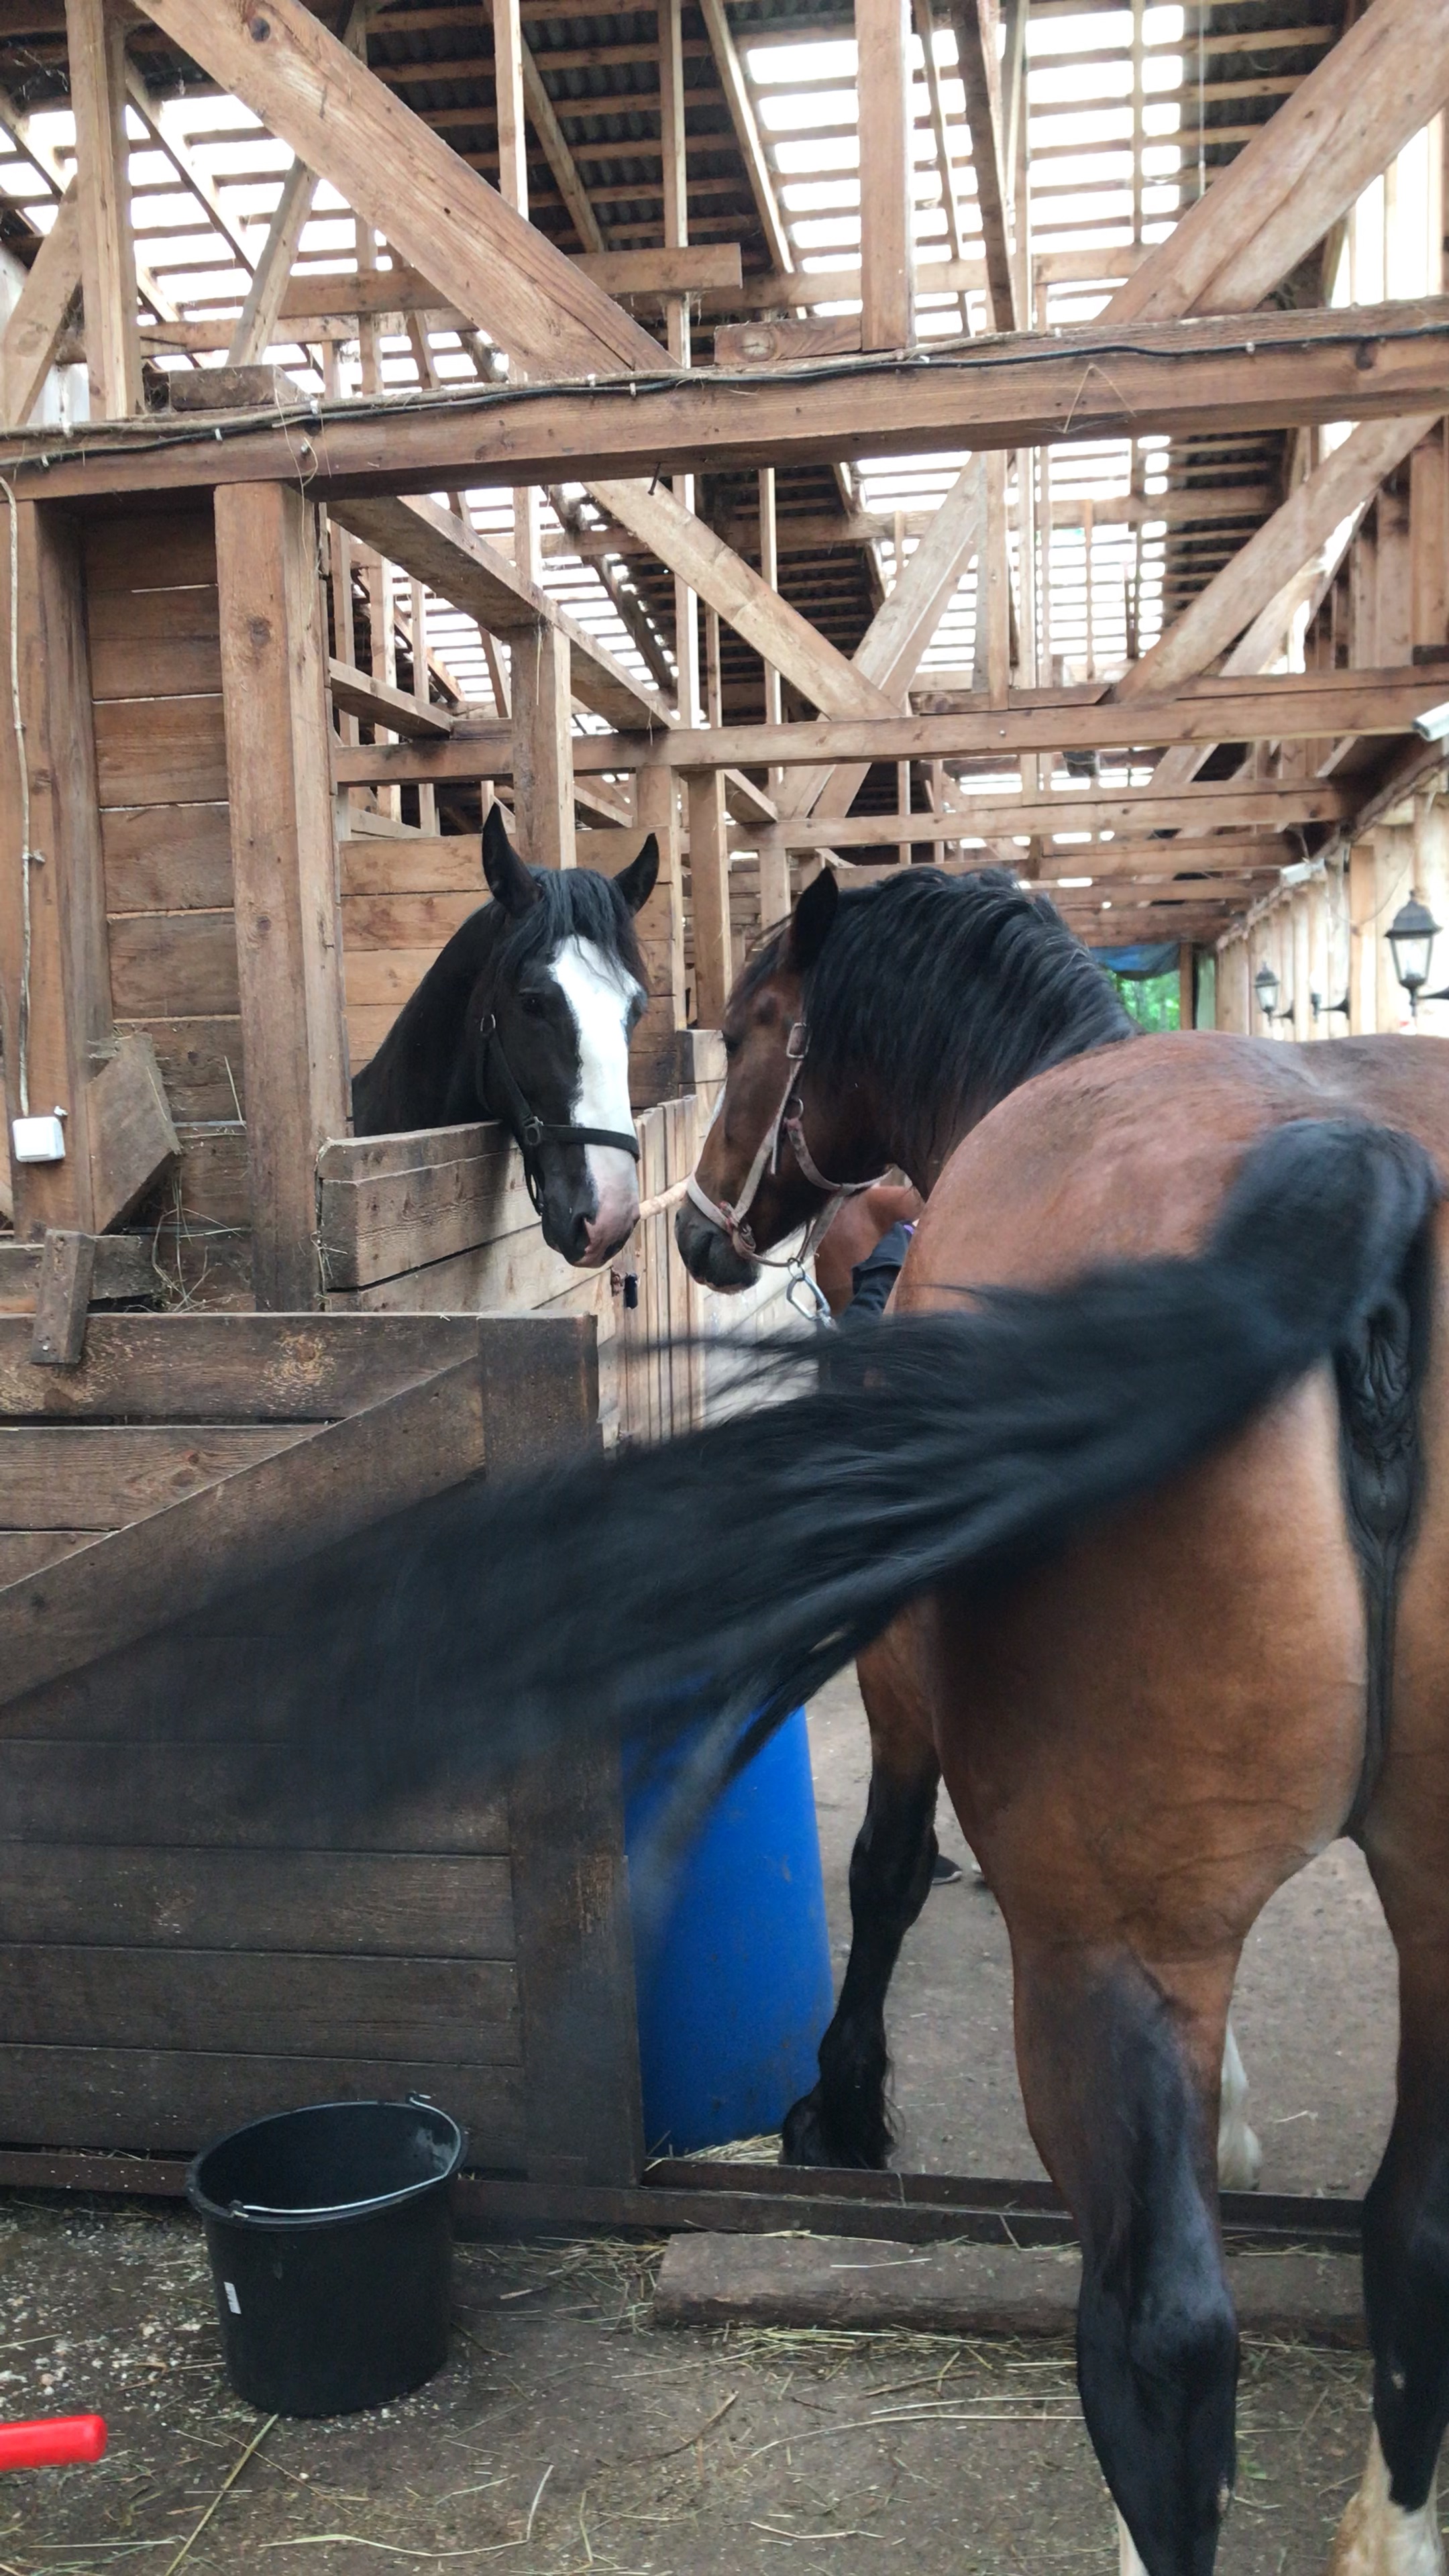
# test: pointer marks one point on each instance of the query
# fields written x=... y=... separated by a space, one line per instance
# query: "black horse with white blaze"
x=525 y=1017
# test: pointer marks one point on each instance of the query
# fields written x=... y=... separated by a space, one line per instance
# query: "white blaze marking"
x=600 y=994
x=1380 y=2538
x=1240 y=2158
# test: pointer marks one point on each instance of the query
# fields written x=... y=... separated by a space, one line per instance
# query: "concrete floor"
x=1316 y=2011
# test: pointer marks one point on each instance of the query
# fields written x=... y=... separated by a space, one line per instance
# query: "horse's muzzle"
x=708 y=1254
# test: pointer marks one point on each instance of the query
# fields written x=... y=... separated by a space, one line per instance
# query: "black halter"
x=529 y=1130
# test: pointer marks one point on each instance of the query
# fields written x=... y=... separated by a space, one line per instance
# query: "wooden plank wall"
x=402 y=900
x=194 y=1928
x=161 y=764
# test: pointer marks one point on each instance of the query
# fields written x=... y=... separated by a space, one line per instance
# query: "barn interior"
x=977 y=433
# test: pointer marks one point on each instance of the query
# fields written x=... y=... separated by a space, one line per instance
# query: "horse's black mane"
x=953 y=989
x=576 y=903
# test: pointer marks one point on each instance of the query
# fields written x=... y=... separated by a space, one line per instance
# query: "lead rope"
x=802 y=1294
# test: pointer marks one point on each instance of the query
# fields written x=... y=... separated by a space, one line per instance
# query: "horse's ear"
x=509 y=881
x=810 y=922
x=636 y=882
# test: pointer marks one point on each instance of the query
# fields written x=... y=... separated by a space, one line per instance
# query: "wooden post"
x=774 y=877
x=770 y=572
x=427 y=793
x=998 y=583
x=95 y=35
x=284 y=866
x=654 y=1052
x=674 y=181
x=62 y=1028
x=709 y=877
x=1363 y=1018
x=508 y=43
x=1186 y=985
x=887 y=317
x=543 y=757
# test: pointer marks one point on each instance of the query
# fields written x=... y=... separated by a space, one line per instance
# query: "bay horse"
x=844 y=2119
x=525 y=1016
x=1154 y=1459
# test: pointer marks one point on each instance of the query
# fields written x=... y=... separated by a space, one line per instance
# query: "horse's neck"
x=921 y=1137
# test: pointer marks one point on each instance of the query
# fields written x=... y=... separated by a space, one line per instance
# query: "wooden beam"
x=1183 y=379
x=747 y=133
x=898 y=634
x=1344 y=483
x=757 y=613
x=408 y=182
x=1383 y=80
x=22 y=129
x=188 y=170
x=62 y=1297
x=887 y=173
x=37 y=318
x=1294 y=706
x=976 y=23
x=1091 y=810
x=57 y=1020
x=709 y=877
x=459 y=565
x=543 y=776
x=256 y=325
x=495 y=267
x=556 y=151
x=288 y=935
x=95 y=36
x=359 y=694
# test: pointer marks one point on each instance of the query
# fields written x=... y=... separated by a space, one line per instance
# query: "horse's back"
x=1129 y=1151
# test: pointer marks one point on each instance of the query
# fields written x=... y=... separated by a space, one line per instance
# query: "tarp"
x=1157 y=957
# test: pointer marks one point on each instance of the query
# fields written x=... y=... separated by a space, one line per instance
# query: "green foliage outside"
x=1153 y=1000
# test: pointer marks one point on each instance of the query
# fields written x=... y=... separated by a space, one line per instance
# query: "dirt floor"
x=567 y=2433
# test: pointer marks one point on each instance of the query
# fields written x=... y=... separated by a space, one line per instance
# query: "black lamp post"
x=1412 y=934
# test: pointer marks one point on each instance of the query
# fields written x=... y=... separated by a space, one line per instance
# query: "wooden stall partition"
x=195 y=1928
x=155 y=666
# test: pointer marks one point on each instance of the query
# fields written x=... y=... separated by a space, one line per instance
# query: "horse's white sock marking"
x=1128 y=2562
x=1240 y=2158
x=1380 y=2538
x=601 y=996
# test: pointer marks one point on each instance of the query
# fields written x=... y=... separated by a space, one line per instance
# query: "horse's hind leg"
x=843 y=2120
x=1392 y=2526
x=1119 y=2075
x=1240 y=2157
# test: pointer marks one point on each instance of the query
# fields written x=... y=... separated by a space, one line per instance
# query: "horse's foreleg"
x=843 y=2121
x=1118 y=2075
x=1240 y=2157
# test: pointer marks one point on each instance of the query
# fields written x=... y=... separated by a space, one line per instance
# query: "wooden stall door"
x=194 y=1928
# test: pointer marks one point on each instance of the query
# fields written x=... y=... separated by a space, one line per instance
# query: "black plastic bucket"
x=331 y=2243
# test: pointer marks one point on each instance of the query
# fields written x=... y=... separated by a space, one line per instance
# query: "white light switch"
x=39 y=1140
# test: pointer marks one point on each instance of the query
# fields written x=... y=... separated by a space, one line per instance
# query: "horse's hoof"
x=1379 y=2538
x=806 y=2140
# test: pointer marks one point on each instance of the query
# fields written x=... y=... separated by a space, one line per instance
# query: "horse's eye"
x=731 y=1046
x=532 y=1005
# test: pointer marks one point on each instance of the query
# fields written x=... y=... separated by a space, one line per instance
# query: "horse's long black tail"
x=736 y=1568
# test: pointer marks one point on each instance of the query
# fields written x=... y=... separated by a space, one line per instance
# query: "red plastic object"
x=54 y=2442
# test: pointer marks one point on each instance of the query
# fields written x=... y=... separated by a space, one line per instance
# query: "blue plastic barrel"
x=733 y=1956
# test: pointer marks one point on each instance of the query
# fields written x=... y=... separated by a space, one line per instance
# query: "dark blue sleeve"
x=872 y=1280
